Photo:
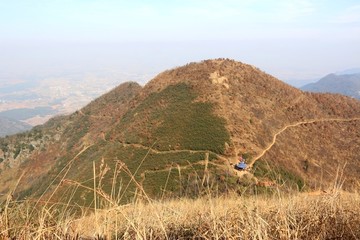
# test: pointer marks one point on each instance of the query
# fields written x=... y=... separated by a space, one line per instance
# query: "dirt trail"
x=138 y=145
x=205 y=163
x=295 y=125
x=247 y=171
x=228 y=164
x=229 y=161
x=166 y=169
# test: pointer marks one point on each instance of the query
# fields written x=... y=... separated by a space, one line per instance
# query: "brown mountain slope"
x=33 y=154
x=253 y=103
x=256 y=106
x=193 y=118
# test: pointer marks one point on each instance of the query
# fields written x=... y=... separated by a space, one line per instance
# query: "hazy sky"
x=289 y=39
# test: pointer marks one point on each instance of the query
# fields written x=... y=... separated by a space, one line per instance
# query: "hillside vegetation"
x=183 y=131
x=172 y=120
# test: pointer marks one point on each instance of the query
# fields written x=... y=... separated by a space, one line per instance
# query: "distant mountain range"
x=349 y=71
x=345 y=83
x=11 y=126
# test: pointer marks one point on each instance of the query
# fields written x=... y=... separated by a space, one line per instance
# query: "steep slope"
x=10 y=126
x=183 y=131
x=346 y=84
x=30 y=156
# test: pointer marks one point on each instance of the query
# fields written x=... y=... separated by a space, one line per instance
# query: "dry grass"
x=302 y=216
x=316 y=215
x=329 y=216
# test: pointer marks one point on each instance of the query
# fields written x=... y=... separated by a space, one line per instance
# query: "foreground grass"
x=275 y=214
x=301 y=216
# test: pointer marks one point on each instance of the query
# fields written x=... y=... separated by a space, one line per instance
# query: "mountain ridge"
x=197 y=117
x=346 y=84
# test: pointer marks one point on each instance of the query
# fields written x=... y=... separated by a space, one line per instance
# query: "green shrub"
x=17 y=151
x=173 y=120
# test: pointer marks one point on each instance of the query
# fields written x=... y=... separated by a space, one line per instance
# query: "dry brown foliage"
x=316 y=215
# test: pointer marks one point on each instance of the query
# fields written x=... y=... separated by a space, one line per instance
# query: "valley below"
x=35 y=100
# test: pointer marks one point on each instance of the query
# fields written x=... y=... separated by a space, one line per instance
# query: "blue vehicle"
x=240 y=166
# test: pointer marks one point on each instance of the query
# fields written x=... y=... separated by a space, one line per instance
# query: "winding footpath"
x=295 y=125
x=138 y=145
x=228 y=162
x=226 y=159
